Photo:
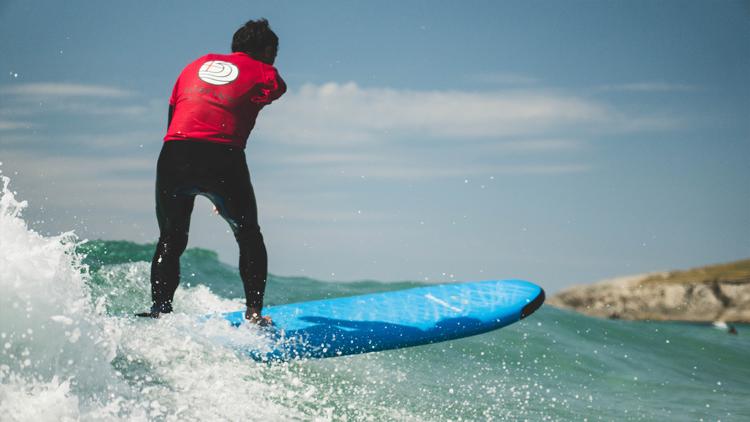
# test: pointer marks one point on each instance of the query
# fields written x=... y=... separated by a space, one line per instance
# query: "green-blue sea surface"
x=86 y=358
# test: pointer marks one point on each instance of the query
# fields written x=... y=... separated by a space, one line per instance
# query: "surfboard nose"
x=533 y=305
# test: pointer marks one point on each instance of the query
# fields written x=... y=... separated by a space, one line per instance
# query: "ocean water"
x=70 y=351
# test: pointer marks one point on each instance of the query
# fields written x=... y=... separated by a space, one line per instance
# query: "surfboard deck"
x=391 y=320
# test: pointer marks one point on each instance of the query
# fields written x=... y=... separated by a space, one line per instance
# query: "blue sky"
x=562 y=142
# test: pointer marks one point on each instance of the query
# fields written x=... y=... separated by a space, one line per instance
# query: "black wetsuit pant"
x=189 y=168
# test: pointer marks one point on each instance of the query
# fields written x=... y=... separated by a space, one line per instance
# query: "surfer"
x=212 y=110
x=722 y=325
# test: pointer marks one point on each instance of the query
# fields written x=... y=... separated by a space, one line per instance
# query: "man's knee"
x=249 y=235
x=173 y=244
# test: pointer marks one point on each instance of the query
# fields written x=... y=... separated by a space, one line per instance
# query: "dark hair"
x=253 y=38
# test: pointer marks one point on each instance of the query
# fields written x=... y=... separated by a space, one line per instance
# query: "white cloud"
x=397 y=163
x=463 y=169
x=334 y=129
x=535 y=145
x=58 y=89
x=342 y=114
x=326 y=158
x=505 y=78
x=96 y=142
x=648 y=87
x=11 y=125
x=76 y=107
x=110 y=181
x=28 y=105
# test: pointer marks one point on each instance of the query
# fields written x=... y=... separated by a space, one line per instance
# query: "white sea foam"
x=54 y=341
x=63 y=357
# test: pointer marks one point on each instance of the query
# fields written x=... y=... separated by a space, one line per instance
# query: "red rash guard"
x=218 y=97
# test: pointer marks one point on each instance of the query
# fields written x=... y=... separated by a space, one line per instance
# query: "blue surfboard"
x=391 y=320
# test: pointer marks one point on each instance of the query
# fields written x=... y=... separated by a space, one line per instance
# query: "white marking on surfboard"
x=429 y=296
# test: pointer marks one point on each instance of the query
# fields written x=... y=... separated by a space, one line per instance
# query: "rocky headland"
x=707 y=294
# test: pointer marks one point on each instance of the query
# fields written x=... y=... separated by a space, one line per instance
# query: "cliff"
x=713 y=293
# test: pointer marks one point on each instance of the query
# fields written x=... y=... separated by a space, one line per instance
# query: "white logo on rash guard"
x=217 y=72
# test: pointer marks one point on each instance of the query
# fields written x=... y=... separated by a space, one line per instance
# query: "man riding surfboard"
x=212 y=110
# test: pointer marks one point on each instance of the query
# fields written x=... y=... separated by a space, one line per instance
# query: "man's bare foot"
x=156 y=310
x=255 y=318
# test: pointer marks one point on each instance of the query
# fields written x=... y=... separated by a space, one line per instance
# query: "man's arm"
x=270 y=88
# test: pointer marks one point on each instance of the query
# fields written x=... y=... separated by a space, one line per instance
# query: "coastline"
x=706 y=294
